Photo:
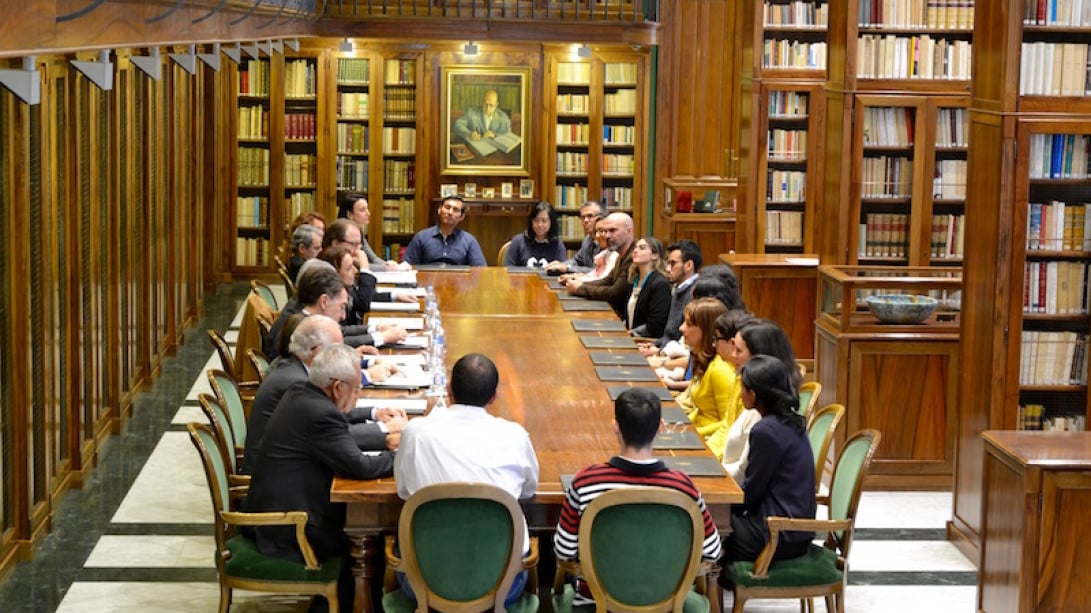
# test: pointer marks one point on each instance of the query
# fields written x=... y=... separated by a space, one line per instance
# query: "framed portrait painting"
x=486 y=120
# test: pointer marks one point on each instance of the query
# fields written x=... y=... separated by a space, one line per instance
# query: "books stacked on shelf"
x=352 y=174
x=883 y=235
x=1058 y=226
x=798 y=14
x=253 y=78
x=573 y=134
x=1029 y=417
x=1056 y=13
x=1053 y=69
x=912 y=57
x=617 y=165
x=400 y=72
x=1059 y=156
x=886 y=177
x=251 y=211
x=253 y=167
x=353 y=105
x=571 y=163
x=299 y=126
x=621 y=102
x=353 y=71
x=570 y=197
x=886 y=126
x=790 y=145
x=572 y=104
x=929 y=14
x=571 y=228
x=787 y=104
x=951 y=127
x=399 y=104
x=300 y=169
x=1055 y=287
x=573 y=73
x=949 y=182
x=253 y=122
x=399 y=141
x=785 y=186
x=399 y=176
x=619 y=135
x=1035 y=417
x=617 y=198
x=784 y=228
x=948 y=236
x=620 y=73
x=352 y=137
x=251 y=251
x=398 y=216
x=299 y=203
x=300 y=79
x=394 y=251
x=1053 y=358
x=778 y=53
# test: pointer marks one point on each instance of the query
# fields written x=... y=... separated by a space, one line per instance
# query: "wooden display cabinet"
x=899 y=379
x=714 y=233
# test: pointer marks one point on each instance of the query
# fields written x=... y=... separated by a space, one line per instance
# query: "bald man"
x=616 y=286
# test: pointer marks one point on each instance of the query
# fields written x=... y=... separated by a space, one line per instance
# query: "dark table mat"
x=597 y=325
x=607 y=342
x=662 y=392
x=686 y=439
x=625 y=373
x=607 y=358
x=695 y=466
x=585 y=305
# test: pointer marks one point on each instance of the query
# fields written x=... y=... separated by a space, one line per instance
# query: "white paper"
x=407 y=377
x=412 y=341
x=406 y=359
x=412 y=406
x=802 y=261
x=409 y=323
x=405 y=307
x=396 y=277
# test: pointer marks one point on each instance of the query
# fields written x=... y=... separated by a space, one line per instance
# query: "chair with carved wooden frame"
x=227 y=394
x=821 y=430
x=227 y=358
x=821 y=571
x=239 y=564
x=260 y=362
x=808 y=399
x=461 y=547
x=640 y=551
x=289 y=282
x=503 y=253
x=266 y=294
x=218 y=423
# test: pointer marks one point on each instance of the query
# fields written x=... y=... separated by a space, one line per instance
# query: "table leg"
x=366 y=551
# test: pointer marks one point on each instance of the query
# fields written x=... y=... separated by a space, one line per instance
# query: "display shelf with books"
x=300 y=132
x=793 y=39
x=353 y=123
x=572 y=142
x=620 y=99
x=398 y=139
x=252 y=226
x=1053 y=56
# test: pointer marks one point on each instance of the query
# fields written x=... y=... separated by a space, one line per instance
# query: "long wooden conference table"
x=547 y=383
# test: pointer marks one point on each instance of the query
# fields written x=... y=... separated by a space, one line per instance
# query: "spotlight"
x=469 y=48
x=584 y=51
x=345 y=46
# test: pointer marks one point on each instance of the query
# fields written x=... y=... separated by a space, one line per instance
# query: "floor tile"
x=188 y=413
x=123 y=551
x=904 y=510
x=201 y=384
x=171 y=488
x=899 y=556
x=164 y=597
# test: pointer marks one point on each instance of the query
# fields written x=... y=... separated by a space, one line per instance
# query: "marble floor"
x=138 y=536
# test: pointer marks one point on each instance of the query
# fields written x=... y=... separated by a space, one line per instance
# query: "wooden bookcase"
x=252 y=169
x=572 y=136
x=398 y=142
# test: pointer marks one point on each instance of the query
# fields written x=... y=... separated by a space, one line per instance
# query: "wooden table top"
x=547 y=381
x=1043 y=449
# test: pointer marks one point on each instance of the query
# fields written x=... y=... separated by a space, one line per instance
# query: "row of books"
x=571 y=162
x=573 y=133
x=573 y=103
x=1054 y=69
x=1058 y=226
x=253 y=166
x=353 y=71
x=300 y=79
x=883 y=235
x=399 y=105
x=1036 y=417
x=353 y=105
x=621 y=102
x=1059 y=156
x=400 y=72
x=787 y=104
x=620 y=74
x=353 y=137
x=1052 y=358
x=785 y=186
x=251 y=211
x=399 y=176
x=1057 y=12
x=934 y=14
x=569 y=197
x=253 y=122
x=951 y=127
x=574 y=73
x=1055 y=288
x=784 y=53
x=253 y=78
x=949 y=180
x=352 y=174
x=618 y=135
x=618 y=164
x=300 y=169
x=251 y=251
x=394 y=251
x=400 y=140
x=787 y=144
x=948 y=236
x=886 y=177
x=300 y=126
x=571 y=228
x=886 y=126
x=619 y=198
x=796 y=14
x=300 y=202
x=398 y=215
x=912 y=57
x=784 y=228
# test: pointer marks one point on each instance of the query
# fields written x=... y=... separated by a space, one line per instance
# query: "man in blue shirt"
x=444 y=243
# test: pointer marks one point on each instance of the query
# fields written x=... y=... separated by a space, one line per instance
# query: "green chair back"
x=848 y=480
x=227 y=392
x=266 y=293
x=212 y=460
x=808 y=398
x=260 y=362
x=218 y=423
x=820 y=431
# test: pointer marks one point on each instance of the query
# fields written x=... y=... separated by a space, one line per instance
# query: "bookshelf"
x=252 y=228
x=620 y=96
x=300 y=130
x=399 y=152
x=572 y=144
x=353 y=124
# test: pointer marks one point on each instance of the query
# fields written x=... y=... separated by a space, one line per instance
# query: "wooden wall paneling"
x=81 y=209
x=833 y=207
x=122 y=289
x=1008 y=505
x=108 y=343
x=179 y=160
x=159 y=205
x=143 y=285
x=9 y=480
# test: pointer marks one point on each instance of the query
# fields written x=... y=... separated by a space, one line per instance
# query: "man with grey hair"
x=306 y=244
x=614 y=287
x=315 y=332
x=306 y=444
x=584 y=259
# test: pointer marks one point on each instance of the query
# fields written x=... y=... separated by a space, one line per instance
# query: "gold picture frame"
x=485 y=120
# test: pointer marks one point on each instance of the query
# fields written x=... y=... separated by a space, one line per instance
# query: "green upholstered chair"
x=227 y=358
x=823 y=569
x=461 y=547
x=808 y=399
x=217 y=422
x=238 y=562
x=260 y=362
x=227 y=393
x=820 y=430
x=640 y=551
x=266 y=293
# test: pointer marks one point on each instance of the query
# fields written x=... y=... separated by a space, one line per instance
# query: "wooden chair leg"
x=736 y=607
x=225 y=598
x=833 y=603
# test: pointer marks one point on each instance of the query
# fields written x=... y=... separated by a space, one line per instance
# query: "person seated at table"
x=614 y=288
x=306 y=443
x=732 y=297
x=779 y=479
x=650 y=299
x=345 y=233
x=583 y=260
x=712 y=397
x=465 y=443
x=313 y=218
x=306 y=243
x=637 y=419
x=673 y=362
x=445 y=242
x=359 y=285
x=540 y=243
x=683 y=260
x=602 y=262
x=354 y=207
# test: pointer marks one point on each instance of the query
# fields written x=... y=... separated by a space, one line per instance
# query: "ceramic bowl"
x=901 y=308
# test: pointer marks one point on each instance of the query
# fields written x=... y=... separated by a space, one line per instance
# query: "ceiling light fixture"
x=469 y=48
x=584 y=51
x=345 y=46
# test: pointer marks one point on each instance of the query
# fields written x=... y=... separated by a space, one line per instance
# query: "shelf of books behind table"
x=1054 y=206
x=300 y=136
x=621 y=134
x=572 y=140
x=252 y=227
x=399 y=143
x=353 y=123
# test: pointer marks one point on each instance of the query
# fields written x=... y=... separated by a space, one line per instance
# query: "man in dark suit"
x=306 y=243
x=683 y=261
x=615 y=287
x=373 y=428
x=306 y=444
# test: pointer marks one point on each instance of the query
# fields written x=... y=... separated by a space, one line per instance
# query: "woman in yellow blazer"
x=712 y=399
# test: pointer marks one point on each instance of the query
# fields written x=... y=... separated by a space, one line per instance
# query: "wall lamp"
x=469 y=48
x=584 y=51
x=345 y=46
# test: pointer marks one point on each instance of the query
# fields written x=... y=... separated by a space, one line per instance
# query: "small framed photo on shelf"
x=470 y=190
x=448 y=189
x=526 y=188
x=507 y=190
x=488 y=192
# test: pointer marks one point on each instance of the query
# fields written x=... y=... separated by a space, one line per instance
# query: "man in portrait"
x=486 y=121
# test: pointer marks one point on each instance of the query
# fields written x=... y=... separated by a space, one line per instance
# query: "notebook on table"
x=450 y=267
x=625 y=373
x=597 y=325
x=674 y=415
x=562 y=295
x=411 y=406
x=584 y=305
x=687 y=439
x=662 y=393
x=395 y=307
x=628 y=358
x=555 y=284
x=695 y=466
x=607 y=342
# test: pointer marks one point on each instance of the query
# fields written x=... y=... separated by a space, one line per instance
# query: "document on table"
x=407 y=377
x=416 y=292
x=404 y=307
x=396 y=277
x=412 y=341
x=409 y=323
x=404 y=359
x=411 y=406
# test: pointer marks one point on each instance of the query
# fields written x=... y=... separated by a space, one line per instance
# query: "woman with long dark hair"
x=540 y=243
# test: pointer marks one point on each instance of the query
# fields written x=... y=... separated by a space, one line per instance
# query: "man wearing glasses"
x=445 y=243
x=584 y=260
